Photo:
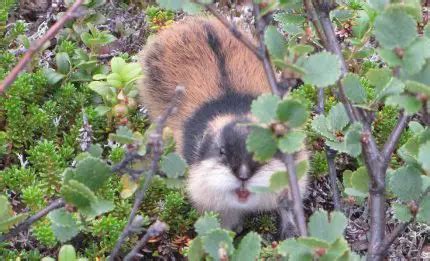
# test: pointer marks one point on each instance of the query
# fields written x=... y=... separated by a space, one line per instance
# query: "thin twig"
x=288 y=160
x=330 y=155
x=155 y=146
x=233 y=29
x=154 y=230
x=56 y=204
x=313 y=16
x=394 y=137
x=260 y=25
x=389 y=239
x=69 y=14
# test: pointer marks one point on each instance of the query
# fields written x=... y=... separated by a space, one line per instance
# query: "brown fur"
x=181 y=55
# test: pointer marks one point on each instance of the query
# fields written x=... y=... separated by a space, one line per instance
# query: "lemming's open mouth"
x=242 y=194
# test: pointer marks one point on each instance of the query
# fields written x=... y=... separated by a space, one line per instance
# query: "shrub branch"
x=376 y=162
x=35 y=47
x=154 y=230
x=25 y=225
x=155 y=146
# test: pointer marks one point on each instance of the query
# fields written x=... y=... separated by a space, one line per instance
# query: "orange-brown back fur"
x=183 y=55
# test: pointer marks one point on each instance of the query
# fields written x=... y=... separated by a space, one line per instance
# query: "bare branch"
x=25 y=225
x=261 y=25
x=154 y=230
x=313 y=16
x=295 y=193
x=155 y=146
x=389 y=239
x=330 y=155
x=394 y=137
x=10 y=78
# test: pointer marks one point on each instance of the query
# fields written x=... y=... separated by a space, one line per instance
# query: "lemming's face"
x=225 y=172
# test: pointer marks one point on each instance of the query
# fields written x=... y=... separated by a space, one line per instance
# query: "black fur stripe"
x=230 y=103
x=215 y=44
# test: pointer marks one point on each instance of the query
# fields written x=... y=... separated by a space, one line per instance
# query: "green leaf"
x=173 y=165
x=424 y=156
x=327 y=228
x=7 y=219
x=215 y=240
x=415 y=55
x=67 y=253
x=290 y=23
x=249 y=248
x=395 y=28
x=415 y=127
x=191 y=8
x=275 y=43
x=261 y=143
x=410 y=104
x=353 y=88
x=353 y=140
x=206 y=223
x=63 y=63
x=423 y=214
x=355 y=193
x=102 y=110
x=101 y=88
x=130 y=72
x=404 y=183
x=409 y=151
x=117 y=64
x=292 y=142
x=336 y=250
x=295 y=250
x=427 y=31
x=279 y=180
x=63 y=225
x=293 y=112
x=196 y=251
x=379 y=77
x=115 y=80
x=390 y=57
x=78 y=194
x=320 y=125
x=402 y=212
x=174 y=5
x=379 y=4
x=95 y=150
x=360 y=180
x=322 y=69
x=98 y=208
x=302 y=49
x=123 y=135
x=264 y=107
x=393 y=87
x=422 y=77
x=337 y=118
x=92 y=172
x=52 y=76
x=313 y=242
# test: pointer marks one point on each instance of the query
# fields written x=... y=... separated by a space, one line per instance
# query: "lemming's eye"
x=222 y=151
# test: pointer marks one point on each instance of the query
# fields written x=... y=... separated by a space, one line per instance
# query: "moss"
x=386 y=120
x=106 y=230
x=178 y=213
x=43 y=233
x=319 y=166
x=16 y=178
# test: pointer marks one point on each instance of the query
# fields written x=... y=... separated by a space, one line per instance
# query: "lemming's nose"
x=244 y=172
